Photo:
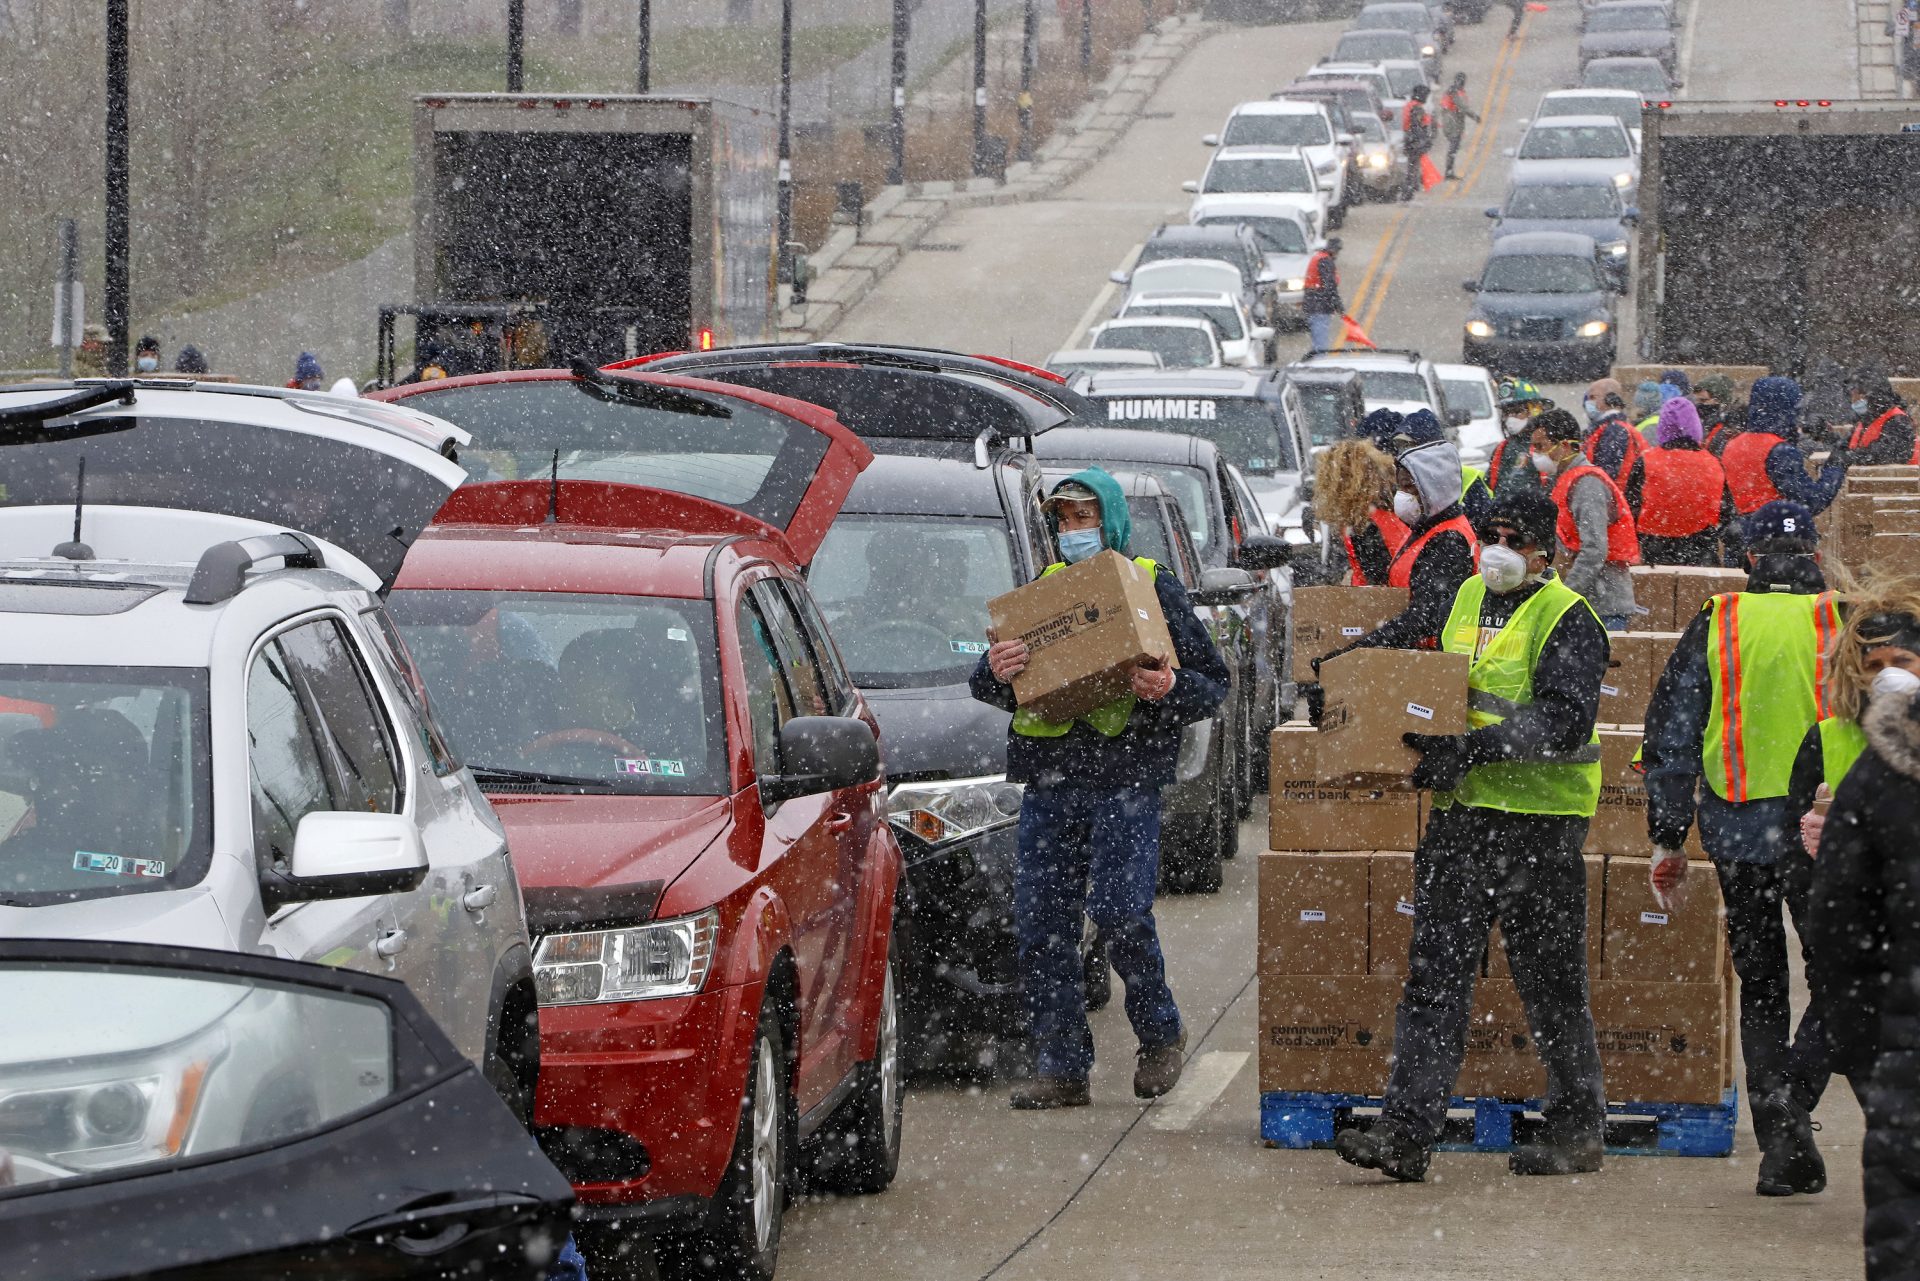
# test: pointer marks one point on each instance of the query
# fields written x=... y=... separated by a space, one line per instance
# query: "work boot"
x=1045 y=1093
x=1789 y=1162
x=1386 y=1146
x=1556 y=1155
x=1158 y=1070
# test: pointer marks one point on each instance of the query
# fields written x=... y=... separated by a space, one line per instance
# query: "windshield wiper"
x=484 y=774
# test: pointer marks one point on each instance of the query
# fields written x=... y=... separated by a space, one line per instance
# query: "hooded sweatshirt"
x=1773 y=407
x=1422 y=427
x=1144 y=754
x=1679 y=420
x=1442 y=565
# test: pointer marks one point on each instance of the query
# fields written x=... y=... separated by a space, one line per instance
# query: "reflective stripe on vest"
x=1400 y=573
x=1110 y=719
x=1745 y=463
x=1623 y=543
x=1842 y=742
x=1680 y=492
x=1635 y=448
x=1499 y=683
x=1767 y=655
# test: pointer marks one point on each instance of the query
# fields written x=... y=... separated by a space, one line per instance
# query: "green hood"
x=1116 y=527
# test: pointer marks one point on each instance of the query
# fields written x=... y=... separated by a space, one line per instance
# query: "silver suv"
x=210 y=732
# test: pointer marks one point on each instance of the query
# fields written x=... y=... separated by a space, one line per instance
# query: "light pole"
x=979 y=88
x=118 y=239
x=643 y=63
x=1086 y=38
x=516 y=44
x=786 y=140
x=1027 y=32
x=897 y=161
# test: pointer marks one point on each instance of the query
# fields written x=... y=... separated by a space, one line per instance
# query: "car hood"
x=1600 y=44
x=939 y=731
x=1288 y=266
x=636 y=843
x=188 y=917
x=1566 y=306
x=1605 y=231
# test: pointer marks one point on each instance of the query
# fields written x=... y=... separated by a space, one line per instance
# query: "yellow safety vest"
x=1767 y=655
x=1500 y=682
x=1110 y=719
x=1467 y=476
x=1842 y=742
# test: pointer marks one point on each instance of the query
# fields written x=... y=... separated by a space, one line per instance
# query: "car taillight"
x=706 y=340
x=1021 y=367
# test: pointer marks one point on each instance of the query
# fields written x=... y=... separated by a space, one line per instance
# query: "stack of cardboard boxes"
x=1337 y=889
x=1873 y=528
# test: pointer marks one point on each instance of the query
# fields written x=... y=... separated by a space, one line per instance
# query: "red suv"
x=614 y=626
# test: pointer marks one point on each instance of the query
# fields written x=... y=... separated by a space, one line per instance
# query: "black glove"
x=1443 y=760
x=1332 y=654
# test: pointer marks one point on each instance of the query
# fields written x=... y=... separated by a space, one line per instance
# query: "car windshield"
x=1395 y=17
x=1249 y=432
x=1393 y=384
x=1538 y=274
x=1323 y=409
x=1268 y=173
x=1188 y=485
x=1222 y=316
x=1178 y=346
x=1645 y=79
x=1262 y=129
x=1403 y=80
x=1375 y=46
x=1367 y=76
x=1275 y=235
x=1369 y=127
x=1591 y=200
x=619 y=692
x=906 y=596
x=103 y=781
x=1574 y=142
x=1638 y=17
x=1469 y=394
x=1625 y=110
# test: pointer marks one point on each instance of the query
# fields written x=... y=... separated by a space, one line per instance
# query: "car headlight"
x=1296 y=283
x=1623 y=180
x=1594 y=328
x=1426 y=51
x=660 y=958
x=1618 y=249
x=947 y=810
x=1378 y=160
x=1479 y=329
x=135 y=1111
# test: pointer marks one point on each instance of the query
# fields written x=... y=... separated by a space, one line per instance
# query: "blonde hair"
x=1847 y=676
x=1351 y=479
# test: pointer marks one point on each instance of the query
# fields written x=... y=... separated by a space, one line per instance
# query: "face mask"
x=1859 y=406
x=1593 y=411
x=1407 y=508
x=1545 y=464
x=1502 y=568
x=1894 y=683
x=1078 y=544
x=1516 y=423
x=147 y=364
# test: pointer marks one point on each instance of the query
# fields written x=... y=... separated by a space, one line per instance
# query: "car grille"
x=1535 y=328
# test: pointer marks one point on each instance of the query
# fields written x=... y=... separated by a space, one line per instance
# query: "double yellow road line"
x=1371 y=296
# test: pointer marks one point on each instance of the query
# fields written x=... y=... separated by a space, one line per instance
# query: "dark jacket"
x=1144 y=754
x=1417 y=123
x=1510 y=470
x=1566 y=686
x=1323 y=299
x=1607 y=444
x=1895 y=442
x=1438 y=570
x=1750 y=831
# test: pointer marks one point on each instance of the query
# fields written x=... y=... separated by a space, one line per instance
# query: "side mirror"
x=1266 y=278
x=1263 y=551
x=1631 y=215
x=1263 y=333
x=1191 y=187
x=1493 y=211
x=821 y=754
x=1471 y=286
x=1118 y=277
x=346 y=854
x=1345 y=139
x=1459 y=417
x=1225 y=586
x=1209 y=139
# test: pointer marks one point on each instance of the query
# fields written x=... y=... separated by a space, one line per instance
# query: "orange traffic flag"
x=1354 y=334
x=1429 y=173
x=1536 y=8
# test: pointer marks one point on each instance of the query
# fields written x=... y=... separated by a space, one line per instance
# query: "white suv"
x=210 y=732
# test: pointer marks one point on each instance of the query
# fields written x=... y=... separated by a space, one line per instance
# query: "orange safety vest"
x=1745 y=463
x=1623 y=543
x=1313 y=280
x=1400 y=574
x=1867 y=434
x=1636 y=447
x=1393 y=531
x=1680 y=492
x=1406 y=116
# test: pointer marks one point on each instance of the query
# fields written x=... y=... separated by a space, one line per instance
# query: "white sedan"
x=1242 y=342
x=1283 y=174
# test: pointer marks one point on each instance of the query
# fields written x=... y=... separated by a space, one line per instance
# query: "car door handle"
x=840 y=821
x=424 y=1228
x=391 y=944
x=480 y=898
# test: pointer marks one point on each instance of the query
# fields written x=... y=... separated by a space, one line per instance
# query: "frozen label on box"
x=1653 y=918
x=1353 y=631
x=117 y=864
x=1403 y=907
x=1424 y=713
x=1142 y=613
x=967 y=646
x=1312 y=915
x=1609 y=690
x=656 y=766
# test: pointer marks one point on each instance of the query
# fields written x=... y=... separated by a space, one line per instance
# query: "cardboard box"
x=1635 y=662
x=1325 y=1033
x=1325 y=618
x=1663 y=1042
x=1306 y=814
x=1086 y=627
x=1873 y=480
x=1694 y=586
x=1619 y=823
x=1890 y=555
x=1389 y=913
x=1497 y=967
x=1653 y=592
x=1647 y=943
x=1502 y=1060
x=1313 y=913
x=1373 y=696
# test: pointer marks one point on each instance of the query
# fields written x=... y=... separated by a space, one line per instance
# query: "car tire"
x=513 y=1063
x=740 y=1236
x=857 y=1151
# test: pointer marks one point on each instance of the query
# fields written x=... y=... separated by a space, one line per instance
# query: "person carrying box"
x=1089 y=835
x=1512 y=801
x=1739 y=694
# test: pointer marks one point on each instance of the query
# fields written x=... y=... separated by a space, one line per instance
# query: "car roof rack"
x=223 y=567
x=26 y=424
x=1350 y=353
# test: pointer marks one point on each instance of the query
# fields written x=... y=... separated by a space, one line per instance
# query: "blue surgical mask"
x=1859 y=406
x=1593 y=410
x=1078 y=544
x=147 y=364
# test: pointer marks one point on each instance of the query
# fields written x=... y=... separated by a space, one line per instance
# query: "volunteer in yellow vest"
x=1877 y=656
x=1738 y=695
x=1512 y=801
x=1089 y=844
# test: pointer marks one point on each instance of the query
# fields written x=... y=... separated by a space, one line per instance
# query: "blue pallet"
x=1309 y=1120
